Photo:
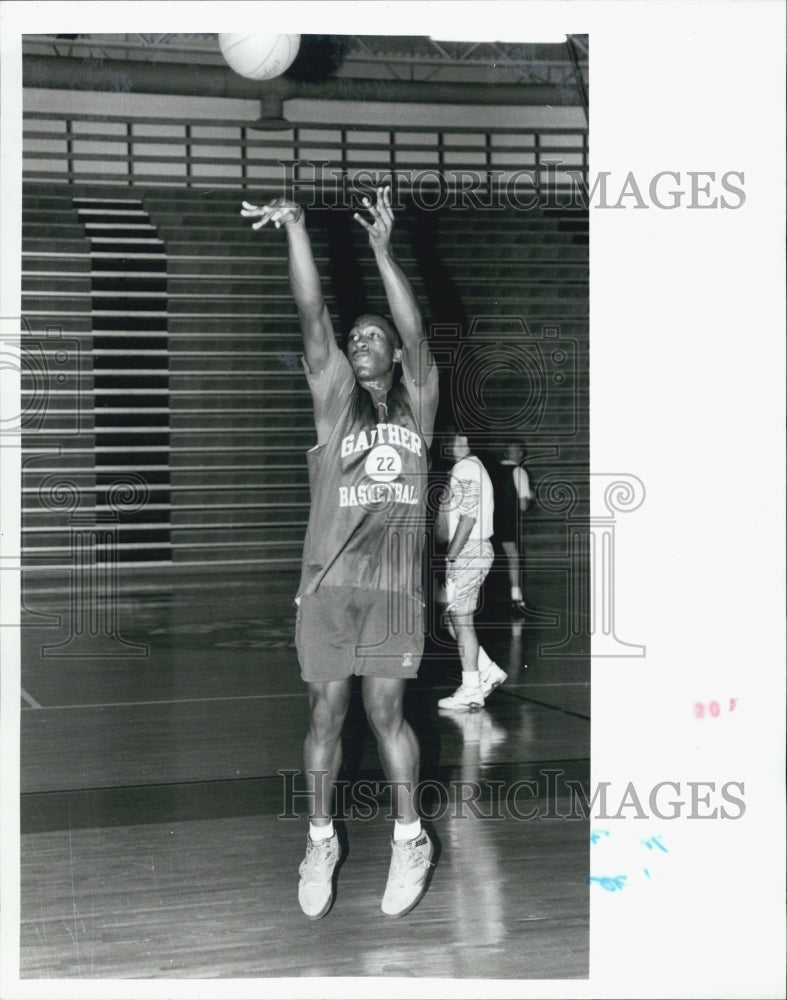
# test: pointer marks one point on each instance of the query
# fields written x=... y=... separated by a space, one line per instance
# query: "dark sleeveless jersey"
x=506 y=502
x=368 y=479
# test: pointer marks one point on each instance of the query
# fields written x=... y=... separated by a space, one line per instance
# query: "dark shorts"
x=341 y=631
x=509 y=530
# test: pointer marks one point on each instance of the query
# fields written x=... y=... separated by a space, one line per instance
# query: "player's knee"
x=384 y=714
x=463 y=625
x=327 y=717
x=325 y=725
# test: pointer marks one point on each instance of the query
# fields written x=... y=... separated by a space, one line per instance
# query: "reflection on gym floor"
x=162 y=839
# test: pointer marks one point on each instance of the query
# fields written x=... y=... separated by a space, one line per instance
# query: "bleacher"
x=178 y=409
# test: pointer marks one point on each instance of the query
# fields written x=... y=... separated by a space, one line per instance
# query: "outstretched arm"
x=401 y=300
x=522 y=484
x=316 y=326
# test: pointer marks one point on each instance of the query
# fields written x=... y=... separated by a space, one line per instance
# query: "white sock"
x=406 y=831
x=516 y=593
x=484 y=661
x=321 y=832
x=471 y=678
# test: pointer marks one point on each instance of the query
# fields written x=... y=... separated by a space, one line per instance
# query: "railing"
x=479 y=163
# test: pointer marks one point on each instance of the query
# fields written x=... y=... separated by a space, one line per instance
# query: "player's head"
x=457 y=443
x=373 y=347
x=514 y=451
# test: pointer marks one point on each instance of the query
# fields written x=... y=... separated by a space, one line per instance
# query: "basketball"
x=259 y=57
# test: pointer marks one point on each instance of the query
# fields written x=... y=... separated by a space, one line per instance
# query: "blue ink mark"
x=609 y=883
x=596 y=835
x=655 y=840
x=646 y=872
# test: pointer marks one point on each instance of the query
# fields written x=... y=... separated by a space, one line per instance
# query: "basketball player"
x=469 y=511
x=512 y=498
x=360 y=597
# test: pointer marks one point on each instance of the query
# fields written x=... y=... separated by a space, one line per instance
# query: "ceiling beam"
x=133 y=76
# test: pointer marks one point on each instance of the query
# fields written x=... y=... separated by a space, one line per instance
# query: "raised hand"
x=379 y=229
x=280 y=212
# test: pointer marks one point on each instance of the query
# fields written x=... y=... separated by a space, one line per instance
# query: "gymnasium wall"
x=186 y=107
x=181 y=423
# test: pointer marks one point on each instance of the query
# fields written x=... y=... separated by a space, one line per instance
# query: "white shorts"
x=465 y=578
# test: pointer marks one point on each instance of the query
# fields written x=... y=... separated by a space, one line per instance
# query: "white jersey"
x=470 y=493
x=521 y=482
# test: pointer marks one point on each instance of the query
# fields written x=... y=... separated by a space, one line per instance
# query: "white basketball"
x=259 y=57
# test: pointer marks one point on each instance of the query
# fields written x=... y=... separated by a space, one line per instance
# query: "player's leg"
x=466 y=640
x=328 y=703
x=470 y=571
x=478 y=667
x=491 y=675
x=383 y=699
x=514 y=561
x=322 y=749
x=469 y=696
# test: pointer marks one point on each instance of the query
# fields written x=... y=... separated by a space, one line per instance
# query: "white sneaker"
x=315 y=891
x=492 y=678
x=410 y=862
x=464 y=699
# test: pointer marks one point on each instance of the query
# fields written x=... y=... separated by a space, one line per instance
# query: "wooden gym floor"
x=154 y=837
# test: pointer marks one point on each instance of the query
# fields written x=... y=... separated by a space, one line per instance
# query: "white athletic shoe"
x=315 y=891
x=492 y=678
x=464 y=699
x=410 y=862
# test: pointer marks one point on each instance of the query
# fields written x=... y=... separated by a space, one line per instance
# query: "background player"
x=469 y=512
x=364 y=543
x=512 y=498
